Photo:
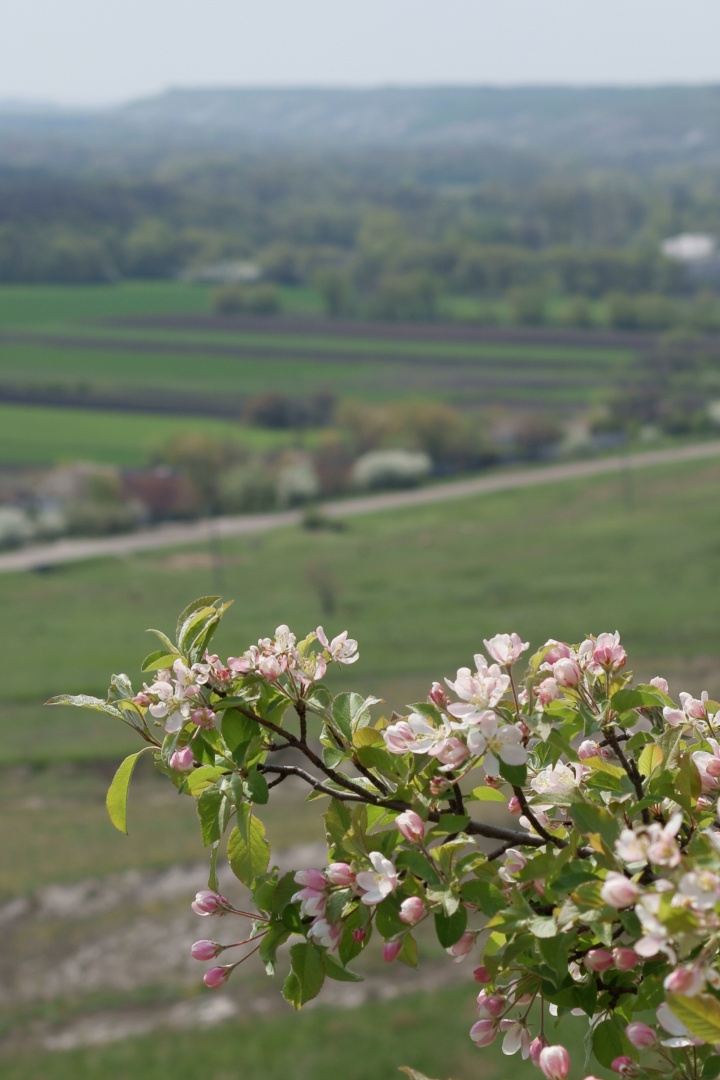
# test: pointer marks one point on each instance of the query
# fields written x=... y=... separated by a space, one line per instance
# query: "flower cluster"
x=595 y=892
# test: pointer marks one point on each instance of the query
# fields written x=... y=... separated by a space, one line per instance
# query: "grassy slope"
x=32 y=306
x=420 y=588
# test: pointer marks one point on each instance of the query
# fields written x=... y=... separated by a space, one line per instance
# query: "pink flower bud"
x=438 y=695
x=547 y=691
x=216 y=976
x=339 y=873
x=438 y=785
x=359 y=934
x=608 y=651
x=202 y=717
x=462 y=947
x=411 y=826
x=490 y=1006
x=481 y=975
x=142 y=699
x=623 y=1065
x=713 y=767
x=208 y=902
x=536 y=1046
x=412 y=910
x=311 y=879
x=618 y=891
x=661 y=684
x=514 y=806
x=182 y=760
x=391 y=951
x=205 y=950
x=483 y=1032
x=625 y=959
x=559 y=651
x=640 y=1035
x=554 y=1062
x=598 y=960
x=566 y=673
x=588 y=748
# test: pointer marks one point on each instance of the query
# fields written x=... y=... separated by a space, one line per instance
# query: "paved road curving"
x=175 y=535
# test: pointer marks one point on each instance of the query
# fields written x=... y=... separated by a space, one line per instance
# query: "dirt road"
x=176 y=535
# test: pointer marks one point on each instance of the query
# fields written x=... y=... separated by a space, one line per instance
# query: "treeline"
x=387 y=234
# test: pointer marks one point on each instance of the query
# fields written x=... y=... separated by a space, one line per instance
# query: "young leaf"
x=209 y=804
x=116 y=799
x=84 y=701
x=650 y=759
x=306 y=976
x=189 y=611
x=248 y=850
x=700 y=1015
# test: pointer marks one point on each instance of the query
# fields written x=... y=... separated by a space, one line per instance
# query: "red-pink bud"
x=623 y=1065
x=411 y=826
x=685 y=980
x=598 y=960
x=481 y=975
x=391 y=951
x=588 y=748
x=536 y=1046
x=640 y=1035
x=559 y=651
x=490 y=1006
x=438 y=695
x=208 y=902
x=339 y=873
x=411 y=910
x=618 y=891
x=359 y=934
x=625 y=959
x=142 y=699
x=514 y=806
x=182 y=760
x=216 y=976
x=554 y=1062
x=205 y=950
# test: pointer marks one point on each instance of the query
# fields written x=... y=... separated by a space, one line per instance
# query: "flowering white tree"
x=602 y=899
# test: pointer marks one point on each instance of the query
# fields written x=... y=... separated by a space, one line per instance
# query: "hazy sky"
x=106 y=51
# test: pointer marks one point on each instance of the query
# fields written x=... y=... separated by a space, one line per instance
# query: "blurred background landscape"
x=248 y=300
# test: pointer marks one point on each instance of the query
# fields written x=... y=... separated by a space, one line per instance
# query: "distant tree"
x=260 y=299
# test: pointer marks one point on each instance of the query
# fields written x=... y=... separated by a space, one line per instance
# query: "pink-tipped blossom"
x=642 y=1036
x=342 y=649
x=598 y=960
x=379 y=882
x=505 y=648
x=547 y=691
x=217 y=976
x=554 y=1062
x=490 y=1006
x=556 y=650
x=340 y=873
x=536 y=1047
x=661 y=684
x=411 y=826
x=411 y=910
x=325 y=933
x=311 y=879
x=484 y=1032
x=517 y=1037
x=205 y=950
x=608 y=652
x=618 y=891
x=625 y=959
x=462 y=947
x=687 y=981
x=566 y=672
x=391 y=951
x=209 y=902
x=182 y=760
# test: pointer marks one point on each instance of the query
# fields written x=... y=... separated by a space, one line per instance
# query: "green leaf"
x=166 y=642
x=187 y=613
x=609 y=1042
x=116 y=799
x=484 y=896
x=387 y=919
x=487 y=794
x=333 y=970
x=650 y=759
x=248 y=850
x=306 y=976
x=161 y=658
x=542 y=927
x=700 y=1015
x=209 y=804
x=451 y=823
x=351 y=711
x=419 y=865
x=201 y=778
x=594 y=819
x=255 y=786
x=84 y=701
x=408 y=954
x=236 y=728
x=514 y=774
x=276 y=936
x=688 y=779
x=450 y=928
x=647 y=697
